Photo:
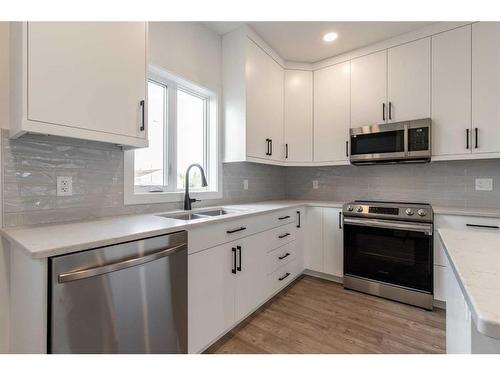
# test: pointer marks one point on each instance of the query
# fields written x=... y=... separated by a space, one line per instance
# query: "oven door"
x=379 y=142
x=397 y=253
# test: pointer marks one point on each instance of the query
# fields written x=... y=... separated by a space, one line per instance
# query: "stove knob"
x=360 y=209
x=409 y=212
x=350 y=208
x=421 y=212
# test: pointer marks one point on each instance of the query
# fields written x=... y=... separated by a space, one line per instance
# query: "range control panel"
x=389 y=210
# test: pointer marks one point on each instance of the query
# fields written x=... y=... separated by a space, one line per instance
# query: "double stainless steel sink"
x=200 y=214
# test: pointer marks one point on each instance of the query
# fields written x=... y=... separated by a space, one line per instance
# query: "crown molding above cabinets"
x=80 y=80
x=277 y=113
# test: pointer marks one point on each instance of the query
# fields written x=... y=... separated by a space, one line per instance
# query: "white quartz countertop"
x=474 y=257
x=58 y=239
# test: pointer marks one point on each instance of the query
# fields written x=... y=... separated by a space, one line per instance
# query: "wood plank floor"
x=319 y=316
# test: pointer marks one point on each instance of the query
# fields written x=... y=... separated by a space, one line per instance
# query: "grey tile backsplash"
x=32 y=163
x=449 y=183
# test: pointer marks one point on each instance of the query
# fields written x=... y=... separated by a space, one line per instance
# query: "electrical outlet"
x=315 y=184
x=245 y=184
x=484 y=184
x=64 y=186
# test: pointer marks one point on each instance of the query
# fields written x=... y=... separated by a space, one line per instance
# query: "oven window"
x=378 y=143
x=392 y=256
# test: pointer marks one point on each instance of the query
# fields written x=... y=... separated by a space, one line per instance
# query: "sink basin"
x=200 y=214
x=188 y=216
x=217 y=212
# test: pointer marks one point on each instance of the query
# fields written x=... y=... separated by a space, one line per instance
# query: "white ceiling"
x=302 y=41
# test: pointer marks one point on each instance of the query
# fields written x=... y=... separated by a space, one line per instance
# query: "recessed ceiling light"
x=330 y=37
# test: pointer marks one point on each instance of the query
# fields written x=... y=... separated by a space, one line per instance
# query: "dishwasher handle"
x=100 y=270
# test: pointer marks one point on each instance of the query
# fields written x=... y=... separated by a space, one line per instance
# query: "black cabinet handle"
x=340 y=220
x=390 y=110
x=284 y=277
x=476 y=131
x=284 y=235
x=233 y=270
x=298 y=221
x=286 y=150
x=346 y=149
x=235 y=230
x=383 y=111
x=284 y=217
x=467 y=139
x=239 y=259
x=482 y=226
x=284 y=256
x=143 y=126
x=268 y=151
x=271 y=143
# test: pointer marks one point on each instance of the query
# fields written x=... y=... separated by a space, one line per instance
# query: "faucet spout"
x=187 y=200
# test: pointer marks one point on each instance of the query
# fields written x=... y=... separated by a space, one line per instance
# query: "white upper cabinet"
x=368 y=89
x=253 y=101
x=409 y=81
x=81 y=79
x=298 y=116
x=331 y=113
x=485 y=87
x=451 y=92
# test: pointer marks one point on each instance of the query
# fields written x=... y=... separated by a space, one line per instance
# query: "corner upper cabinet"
x=331 y=114
x=253 y=85
x=298 y=120
x=82 y=80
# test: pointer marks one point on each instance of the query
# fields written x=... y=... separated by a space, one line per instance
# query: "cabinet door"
x=409 y=81
x=211 y=295
x=275 y=102
x=264 y=104
x=333 y=242
x=298 y=122
x=88 y=75
x=451 y=92
x=331 y=113
x=368 y=89
x=313 y=257
x=486 y=86
x=252 y=275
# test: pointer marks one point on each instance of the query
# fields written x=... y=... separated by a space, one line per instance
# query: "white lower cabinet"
x=229 y=281
x=324 y=247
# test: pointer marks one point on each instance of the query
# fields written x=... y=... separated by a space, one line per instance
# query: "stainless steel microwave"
x=399 y=142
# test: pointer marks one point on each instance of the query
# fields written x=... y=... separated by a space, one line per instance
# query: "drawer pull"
x=284 y=256
x=235 y=230
x=284 y=217
x=298 y=223
x=482 y=226
x=284 y=235
x=284 y=277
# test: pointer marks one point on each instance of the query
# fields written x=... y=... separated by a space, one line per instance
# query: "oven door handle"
x=424 y=228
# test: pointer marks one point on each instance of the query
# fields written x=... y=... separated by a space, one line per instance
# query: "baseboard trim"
x=321 y=275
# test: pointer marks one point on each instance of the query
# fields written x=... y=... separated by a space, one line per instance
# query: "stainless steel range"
x=388 y=250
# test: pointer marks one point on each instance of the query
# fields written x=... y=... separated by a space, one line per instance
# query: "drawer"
x=280 y=236
x=281 y=256
x=467 y=222
x=283 y=276
x=212 y=233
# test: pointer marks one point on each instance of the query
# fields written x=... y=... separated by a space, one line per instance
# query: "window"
x=182 y=130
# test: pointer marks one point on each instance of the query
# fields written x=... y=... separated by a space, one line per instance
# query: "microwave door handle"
x=424 y=228
x=101 y=270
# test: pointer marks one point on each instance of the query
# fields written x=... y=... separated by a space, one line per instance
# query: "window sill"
x=168 y=197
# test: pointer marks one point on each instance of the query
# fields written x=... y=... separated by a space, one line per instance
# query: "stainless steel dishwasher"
x=126 y=298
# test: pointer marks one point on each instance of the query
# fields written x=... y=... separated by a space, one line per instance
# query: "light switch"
x=484 y=184
x=315 y=184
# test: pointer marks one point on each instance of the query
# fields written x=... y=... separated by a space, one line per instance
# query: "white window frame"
x=142 y=195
